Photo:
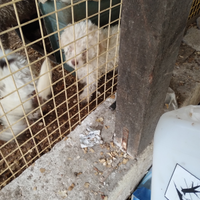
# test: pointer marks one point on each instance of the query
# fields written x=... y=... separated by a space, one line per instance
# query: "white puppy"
x=93 y=54
x=11 y=110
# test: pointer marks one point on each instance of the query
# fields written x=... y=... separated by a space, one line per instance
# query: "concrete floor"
x=70 y=172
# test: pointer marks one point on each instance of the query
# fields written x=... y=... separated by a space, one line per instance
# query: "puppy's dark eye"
x=2 y=63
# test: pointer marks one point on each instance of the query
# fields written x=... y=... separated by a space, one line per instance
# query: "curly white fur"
x=11 y=110
x=83 y=53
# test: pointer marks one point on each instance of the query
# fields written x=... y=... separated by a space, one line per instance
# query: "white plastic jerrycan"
x=176 y=156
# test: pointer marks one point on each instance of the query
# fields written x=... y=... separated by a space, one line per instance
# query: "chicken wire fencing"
x=58 y=62
x=195 y=10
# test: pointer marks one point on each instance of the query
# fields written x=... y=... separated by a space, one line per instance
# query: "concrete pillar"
x=151 y=33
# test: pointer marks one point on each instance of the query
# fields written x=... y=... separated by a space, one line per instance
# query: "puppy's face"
x=75 y=54
x=79 y=47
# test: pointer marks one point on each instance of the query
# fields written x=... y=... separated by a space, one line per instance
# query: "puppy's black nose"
x=73 y=62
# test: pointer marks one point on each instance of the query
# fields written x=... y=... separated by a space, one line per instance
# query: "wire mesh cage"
x=58 y=62
x=194 y=11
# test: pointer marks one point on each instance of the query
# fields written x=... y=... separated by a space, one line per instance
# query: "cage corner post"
x=151 y=33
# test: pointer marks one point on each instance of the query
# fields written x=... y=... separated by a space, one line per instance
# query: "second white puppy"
x=91 y=52
x=16 y=92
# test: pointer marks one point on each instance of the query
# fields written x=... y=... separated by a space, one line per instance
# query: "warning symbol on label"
x=183 y=185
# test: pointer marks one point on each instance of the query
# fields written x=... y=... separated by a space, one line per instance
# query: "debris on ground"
x=91 y=138
x=70 y=172
x=170 y=101
x=192 y=38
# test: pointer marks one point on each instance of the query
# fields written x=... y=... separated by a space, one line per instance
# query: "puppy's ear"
x=64 y=35
x=93 y=33
x=91 y=26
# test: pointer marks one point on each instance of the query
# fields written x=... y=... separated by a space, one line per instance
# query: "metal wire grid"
x=12 y=167
x=194 y=11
